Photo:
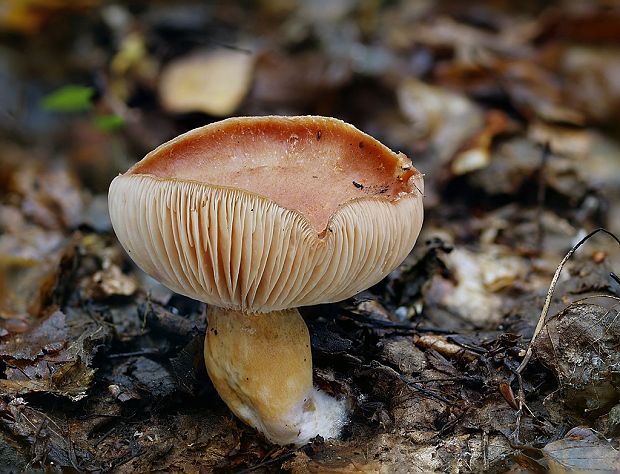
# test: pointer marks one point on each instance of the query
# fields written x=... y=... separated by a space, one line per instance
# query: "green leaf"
x=71 y=98
x=108 y=123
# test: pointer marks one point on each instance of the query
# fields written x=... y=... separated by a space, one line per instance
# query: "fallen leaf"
x=446 y=119
x=50 y=198
x=572 y=142
x=476 y=279
x=295 y=81
x=50 y=438
x=583 y=451
x=213 y=82
x=53 y=357
x=140 y=377
x=580 y=346
x=592 y=85
x=477 y=152
x=110 y=281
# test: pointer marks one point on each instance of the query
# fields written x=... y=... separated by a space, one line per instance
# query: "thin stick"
x=283 y=457
x=448 y=349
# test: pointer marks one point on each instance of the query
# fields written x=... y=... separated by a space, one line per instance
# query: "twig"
x=105 y=435
x=421 y=390
x=146 y=351
x=390 y=325
x=444 y=347
x=284 y=457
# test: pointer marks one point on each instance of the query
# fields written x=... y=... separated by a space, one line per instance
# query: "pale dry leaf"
x=446 y=119
x=213 y=82
x=477 y=153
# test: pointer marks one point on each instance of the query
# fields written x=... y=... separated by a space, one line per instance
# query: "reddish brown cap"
x=268 y=213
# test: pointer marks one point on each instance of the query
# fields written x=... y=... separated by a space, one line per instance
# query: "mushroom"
x=257 y=216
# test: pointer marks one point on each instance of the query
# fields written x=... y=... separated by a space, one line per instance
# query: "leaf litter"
x=508 y=110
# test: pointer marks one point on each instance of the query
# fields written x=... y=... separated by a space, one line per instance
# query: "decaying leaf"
x=50 y=198
x=580 y=345
x=110 y=281
x=213 y=82
x=446 y=119
x=581 y=450
x=591 y=79
x=293 y=80
x=572 y=142
x=28 y=259
x=477 y=152
x=139 y=376
x=477 y=278
x=536 y=92
x=50 y=438
x=402 y=353
x=54 y=357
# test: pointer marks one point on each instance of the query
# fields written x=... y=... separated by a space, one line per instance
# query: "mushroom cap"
x=267 y=213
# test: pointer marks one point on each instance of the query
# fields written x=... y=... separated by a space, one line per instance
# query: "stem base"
x=261 y=365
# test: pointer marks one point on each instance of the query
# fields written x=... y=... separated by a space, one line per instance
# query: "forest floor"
x=511 y=113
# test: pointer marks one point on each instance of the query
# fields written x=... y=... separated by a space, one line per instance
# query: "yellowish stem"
x=261 y=365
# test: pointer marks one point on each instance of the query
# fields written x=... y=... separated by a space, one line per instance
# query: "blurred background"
x=511 y=109
x=472 y=92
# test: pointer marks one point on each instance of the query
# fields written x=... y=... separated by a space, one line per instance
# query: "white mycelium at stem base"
x=260 y=215
x=261 y=366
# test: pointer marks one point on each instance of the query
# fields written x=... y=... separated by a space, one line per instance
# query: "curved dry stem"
x=261 y=366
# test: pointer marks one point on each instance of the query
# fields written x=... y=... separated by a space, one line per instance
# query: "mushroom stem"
x=261 y=366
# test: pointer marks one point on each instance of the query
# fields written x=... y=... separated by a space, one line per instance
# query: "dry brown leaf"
x=477 y=153
x=591 y=78
x=51 y=357
x=581 y=451
x=580 y=346
x=29 y=16
x=29 y=259
x=296 y=80
x=568 y=141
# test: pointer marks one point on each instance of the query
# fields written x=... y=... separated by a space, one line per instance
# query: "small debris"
x=109 y=282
